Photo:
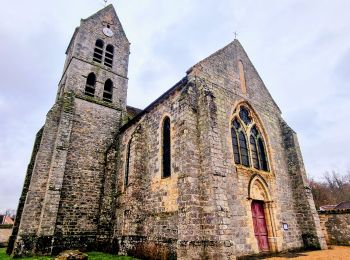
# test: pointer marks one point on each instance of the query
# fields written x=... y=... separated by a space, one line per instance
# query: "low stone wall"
x=336 y=226
x=5 y=233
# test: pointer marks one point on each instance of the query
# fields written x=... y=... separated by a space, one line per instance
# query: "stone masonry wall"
x=218 y=75
x=93 y=129
x=34 y=197
x=335 y=226
x=305 y=207
x=147 y=209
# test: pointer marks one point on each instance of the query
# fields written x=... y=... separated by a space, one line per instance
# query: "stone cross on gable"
x=236 y=35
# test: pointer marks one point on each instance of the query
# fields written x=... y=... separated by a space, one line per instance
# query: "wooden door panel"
x=259 y=222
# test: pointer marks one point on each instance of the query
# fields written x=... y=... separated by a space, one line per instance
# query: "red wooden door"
x=260 y=228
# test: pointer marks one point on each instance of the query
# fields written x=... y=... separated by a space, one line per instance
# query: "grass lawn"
x=92 y=256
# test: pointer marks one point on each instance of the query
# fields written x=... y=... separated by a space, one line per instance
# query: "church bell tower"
x=59 y=204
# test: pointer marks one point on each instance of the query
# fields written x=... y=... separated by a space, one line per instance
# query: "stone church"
x=209 y=170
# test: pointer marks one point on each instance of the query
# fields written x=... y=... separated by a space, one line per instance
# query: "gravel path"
x=333 y=253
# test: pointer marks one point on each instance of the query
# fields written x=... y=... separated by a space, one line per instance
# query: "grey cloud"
x=299 y=47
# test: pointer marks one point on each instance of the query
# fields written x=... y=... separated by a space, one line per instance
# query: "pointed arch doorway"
x=263 y=219
x=260 y=226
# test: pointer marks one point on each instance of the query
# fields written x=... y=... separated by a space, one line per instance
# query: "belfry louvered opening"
x=109 y=56
x=98 y=51
x=90 y=85
x=108 y=91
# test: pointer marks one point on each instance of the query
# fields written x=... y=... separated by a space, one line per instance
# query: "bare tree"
x=334 y=189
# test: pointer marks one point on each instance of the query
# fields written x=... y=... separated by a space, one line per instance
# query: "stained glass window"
x=239 y=144
x=243 y=149
x=235 y=146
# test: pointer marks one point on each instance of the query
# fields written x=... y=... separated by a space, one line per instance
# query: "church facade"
x=209 y=170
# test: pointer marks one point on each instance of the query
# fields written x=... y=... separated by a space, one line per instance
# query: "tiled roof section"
x=327 y=207
x=132 y=111
x=343 y=205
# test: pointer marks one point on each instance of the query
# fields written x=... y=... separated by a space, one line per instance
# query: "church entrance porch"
x=260 y=227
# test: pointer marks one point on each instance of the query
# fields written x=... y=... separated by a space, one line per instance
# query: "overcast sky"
x=300 y=48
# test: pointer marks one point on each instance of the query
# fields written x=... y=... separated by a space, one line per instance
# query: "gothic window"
x=247 y=141
x=239 y=143
x=257 y=147
x=90 y=85
x=242 y=77
x=127 y=164
x=109 y=55
x=108 y=91
x=166 y=149
x=98 y=51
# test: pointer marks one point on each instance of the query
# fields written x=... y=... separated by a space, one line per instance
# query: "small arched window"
x=242 y=77
x=109 y=56
x=239 y=143
x=90 y=85
x=108 y=91
x=127 y=164
x=98 y=51
x=257 y=147
x=166 y=149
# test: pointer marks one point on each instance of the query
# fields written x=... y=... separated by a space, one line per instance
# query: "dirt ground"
x=334 y=252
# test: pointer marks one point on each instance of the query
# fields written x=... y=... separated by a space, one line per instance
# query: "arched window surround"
x=108 y=90
x=163 y=169
x=103 y=53
x=109 y=55
x=255 y=122
x=127 y=163
x=90 y=85
x=98 y=50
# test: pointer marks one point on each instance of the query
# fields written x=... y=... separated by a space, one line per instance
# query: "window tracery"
x=250 y=153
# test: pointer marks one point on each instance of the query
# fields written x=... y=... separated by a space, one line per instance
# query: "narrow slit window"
x=108 y=91
x=166 y=149
x=98 y=51
x=242 y=77
x=90 y=85
x=109 y=56
x=127 y=165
